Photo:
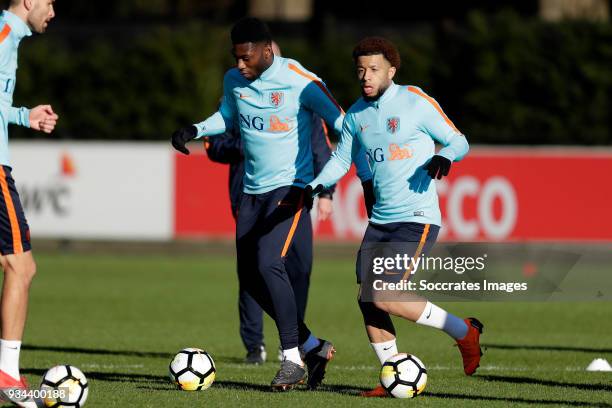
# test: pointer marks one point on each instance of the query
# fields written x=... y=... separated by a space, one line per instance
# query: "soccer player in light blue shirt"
x=16 y=258
x=271 y=99
x=398 y=126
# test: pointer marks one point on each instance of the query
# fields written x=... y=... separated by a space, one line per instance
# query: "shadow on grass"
x=161 y=383
x=156 y=380
x=81 y=350
x=126 y=353
x=331 y=388
x=547 y=348
x=112 y=377
x=537 y=381
x=244 y=386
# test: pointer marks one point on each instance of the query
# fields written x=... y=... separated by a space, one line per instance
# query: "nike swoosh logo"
x=427 y=317
x=387 y=348
x=243 y=96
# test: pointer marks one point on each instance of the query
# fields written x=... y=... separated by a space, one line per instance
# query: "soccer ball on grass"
x=403 y=376
x=64 y=386
x=192 y=369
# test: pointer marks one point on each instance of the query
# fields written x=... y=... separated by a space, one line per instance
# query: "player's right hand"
x=182 y=136
x=438 y=167
x=43 y=119
x=310 y=193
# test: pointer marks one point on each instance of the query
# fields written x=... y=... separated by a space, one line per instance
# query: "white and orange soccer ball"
x=192 y=369
x=64 y=386
x=403 y=376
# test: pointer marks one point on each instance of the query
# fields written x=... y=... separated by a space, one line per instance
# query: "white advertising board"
x=96 y=190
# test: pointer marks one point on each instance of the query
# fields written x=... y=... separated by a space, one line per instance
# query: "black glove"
x=368 y=196
x=182 y=136
x=310 y=193
x=326 y=193
x=438 y=167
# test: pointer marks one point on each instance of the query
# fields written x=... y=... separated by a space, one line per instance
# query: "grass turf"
x=121 y=318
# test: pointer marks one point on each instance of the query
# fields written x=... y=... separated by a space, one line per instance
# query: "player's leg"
x=19 y=269
x=254 y=222
x=273 y=242
x=419 y=239
x=249 y=311
x=285 y=212
x=466 y=332
x=249 y=277
x=281 y=213
x=298 y=263
x=428 y=314
x=381 y=334
x=380 y=330
x=378 y=324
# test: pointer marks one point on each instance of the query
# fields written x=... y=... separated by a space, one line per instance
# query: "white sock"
x=433 y=316
x=293 y=355
x=384 y=350
x=9 y=357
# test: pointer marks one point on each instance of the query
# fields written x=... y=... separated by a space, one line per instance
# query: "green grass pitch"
x=121 y=318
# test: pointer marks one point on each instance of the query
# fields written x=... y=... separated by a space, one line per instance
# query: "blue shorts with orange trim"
x=14 y=230
x=390 y=240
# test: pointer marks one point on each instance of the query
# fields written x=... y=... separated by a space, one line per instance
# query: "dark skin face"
x=252 y=59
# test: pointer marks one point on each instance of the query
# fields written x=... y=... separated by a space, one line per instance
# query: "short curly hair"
x=250 y=30
x=378 y=45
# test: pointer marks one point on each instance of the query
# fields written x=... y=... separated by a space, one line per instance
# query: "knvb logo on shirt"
x=399 y=153
x=277 y=98
x=393 y=124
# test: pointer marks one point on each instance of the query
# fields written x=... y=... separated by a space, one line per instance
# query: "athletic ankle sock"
x=9 y=357
x=384 y=350
x=434 y=316
x=311 y=343
x=293 y=355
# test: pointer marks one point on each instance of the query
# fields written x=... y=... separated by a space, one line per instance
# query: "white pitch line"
x=112 y=366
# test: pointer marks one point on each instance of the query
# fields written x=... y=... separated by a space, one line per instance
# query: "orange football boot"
x=8 y=386
x=378 y=392
x=6 y=381
x=469 y=346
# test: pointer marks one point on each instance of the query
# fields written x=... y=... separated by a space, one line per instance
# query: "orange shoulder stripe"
x=5 y=32
x=317 y=83
x=435 y=104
